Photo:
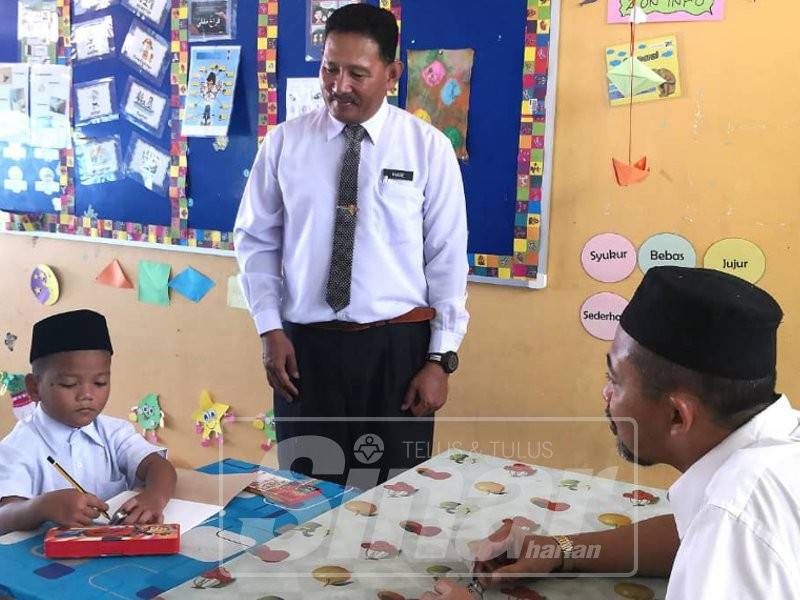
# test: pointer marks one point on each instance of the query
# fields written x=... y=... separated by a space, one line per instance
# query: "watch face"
x=450 y=361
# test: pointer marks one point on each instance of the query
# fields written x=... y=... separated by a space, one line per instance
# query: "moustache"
x=343 y=98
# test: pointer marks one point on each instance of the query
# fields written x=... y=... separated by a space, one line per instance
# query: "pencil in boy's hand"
x=72 y=482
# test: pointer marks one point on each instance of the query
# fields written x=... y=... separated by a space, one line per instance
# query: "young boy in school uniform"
x=71 y=381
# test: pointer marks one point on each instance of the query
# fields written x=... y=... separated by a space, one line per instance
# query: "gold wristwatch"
x=567 y=545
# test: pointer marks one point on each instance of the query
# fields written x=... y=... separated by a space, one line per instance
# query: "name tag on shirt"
x=398 y=175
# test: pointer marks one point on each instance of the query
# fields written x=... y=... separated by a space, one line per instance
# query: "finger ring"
x=476 y=589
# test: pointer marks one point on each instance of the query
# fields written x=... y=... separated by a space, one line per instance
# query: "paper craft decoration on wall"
x=44 y=285
x=266 y=423
x=153 y=280
x=14 y=102
x=631 y=172
x=208 y=419
x=668 y=10
x=209 y=98
x=13 y=384
x=317 y=13
x=114 y=276
x=149 y=416
x=438 y=92
x=191 y=284
x=652 y=74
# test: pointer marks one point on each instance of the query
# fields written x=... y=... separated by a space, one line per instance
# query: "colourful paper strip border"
x=524 y=263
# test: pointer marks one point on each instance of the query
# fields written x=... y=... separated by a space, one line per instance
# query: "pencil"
x=72 y=482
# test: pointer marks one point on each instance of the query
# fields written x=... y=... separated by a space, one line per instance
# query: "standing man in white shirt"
x=693 y=364
x=351 y=239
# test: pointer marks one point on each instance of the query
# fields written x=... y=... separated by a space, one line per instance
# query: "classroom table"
x=248 y=520
x=393 y=541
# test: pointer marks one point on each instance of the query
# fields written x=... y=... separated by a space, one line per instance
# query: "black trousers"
x=347 y=425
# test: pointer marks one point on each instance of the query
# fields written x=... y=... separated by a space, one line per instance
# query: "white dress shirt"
x=737 y=511
x=103 y=456
x=410 y=246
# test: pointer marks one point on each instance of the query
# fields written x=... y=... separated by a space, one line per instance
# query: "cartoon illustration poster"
x=212 y=82
x=317 y=12
x=659 y=11
x=37 y=30
x=438 y=91
x=658 y=54
x=49 y=106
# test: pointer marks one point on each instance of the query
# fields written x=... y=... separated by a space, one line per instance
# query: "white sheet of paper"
x=49 y=105
x=303 y=95
x=186 y=513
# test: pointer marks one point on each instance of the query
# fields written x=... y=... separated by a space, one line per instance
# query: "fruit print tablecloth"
x=391 y=542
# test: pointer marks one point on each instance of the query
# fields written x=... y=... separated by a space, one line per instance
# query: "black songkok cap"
x=705 y=320
x=69 y=331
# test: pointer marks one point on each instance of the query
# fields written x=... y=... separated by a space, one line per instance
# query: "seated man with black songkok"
x=693 y=364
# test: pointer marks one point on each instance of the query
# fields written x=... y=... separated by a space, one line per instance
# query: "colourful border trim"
x=267 y=58
x=396 y=8
x=524 y=263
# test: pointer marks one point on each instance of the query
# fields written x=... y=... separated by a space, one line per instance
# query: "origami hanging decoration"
x=266 y=423
x=13 y=384
x=630 y=77
x=44 y=285
x=209 y=417
x=149 y=416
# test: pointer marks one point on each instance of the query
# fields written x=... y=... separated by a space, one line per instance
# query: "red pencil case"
x=112 y=540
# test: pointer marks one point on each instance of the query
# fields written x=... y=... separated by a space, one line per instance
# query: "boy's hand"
x=147 y=507
x=70 y=508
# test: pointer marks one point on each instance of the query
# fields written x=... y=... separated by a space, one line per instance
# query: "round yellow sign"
x=737 y=257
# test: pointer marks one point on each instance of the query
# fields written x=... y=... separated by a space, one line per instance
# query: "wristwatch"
x=447 y=360
x=567 y=546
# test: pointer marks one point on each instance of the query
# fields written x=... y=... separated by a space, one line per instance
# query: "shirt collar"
x=373 y=125
x=56 y=434
x=687 y=494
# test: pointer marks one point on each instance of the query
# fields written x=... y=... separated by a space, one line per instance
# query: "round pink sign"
x=608 y=257
x=600 y=314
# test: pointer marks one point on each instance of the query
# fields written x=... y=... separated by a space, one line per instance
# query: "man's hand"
x=277 y=352
x=508 y=555
x=70 y=508
x=448 y=590
x=427 y=392
x=147 y=507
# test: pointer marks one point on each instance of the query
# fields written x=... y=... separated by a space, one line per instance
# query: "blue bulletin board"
x=509 y=140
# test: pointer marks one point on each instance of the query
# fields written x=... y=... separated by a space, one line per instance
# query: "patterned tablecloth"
x=391 y=542
x=246 y=522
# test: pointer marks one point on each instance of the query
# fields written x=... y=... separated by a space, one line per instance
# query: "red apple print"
x=437 y=475
x=411 y=526
x=429 y=531
x=387 y=595
x=640 y=497
x=524 y=523
x=220 y=574
x=547 y=504
x=522 y=593
x=419 y=529
x=379 y=550
x=268 y=555
x=520 y=470
x=400 y=489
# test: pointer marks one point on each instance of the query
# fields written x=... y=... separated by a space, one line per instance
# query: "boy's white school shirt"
x=103 y=456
